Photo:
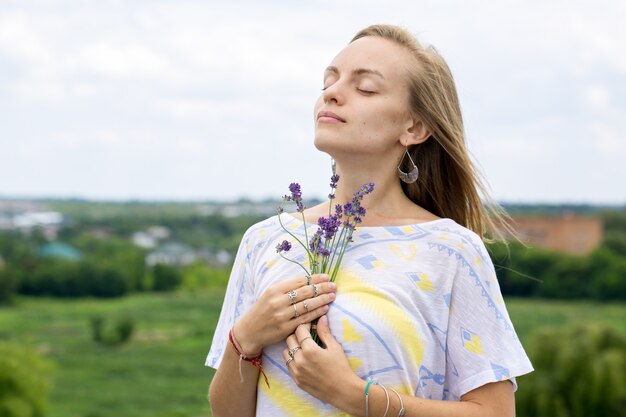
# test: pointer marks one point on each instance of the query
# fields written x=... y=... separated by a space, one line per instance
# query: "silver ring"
x=313 y=326
x=295 y=310
x=293 y=351
x=308 y=280
x=314 y=290
x=288 y=362
x=305 y=305
x=292 y=296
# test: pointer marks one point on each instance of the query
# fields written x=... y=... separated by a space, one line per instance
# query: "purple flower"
x=315 y=241
x=285 y=246
x=329 y=226
x=333 y=181
x=296 y=193
x=296 y=196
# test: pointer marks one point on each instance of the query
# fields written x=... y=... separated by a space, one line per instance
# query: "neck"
x=386 y=201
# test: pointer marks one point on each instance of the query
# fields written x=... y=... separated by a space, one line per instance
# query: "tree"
x=23 y=382
x=165 y=278
x=579 y=372
x=7 y=285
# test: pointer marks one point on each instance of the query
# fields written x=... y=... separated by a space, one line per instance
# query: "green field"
x=161 y=372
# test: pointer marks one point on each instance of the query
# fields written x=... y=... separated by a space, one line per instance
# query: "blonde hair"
x=448 y=183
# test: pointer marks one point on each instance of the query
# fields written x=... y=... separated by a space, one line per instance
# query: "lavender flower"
x=296 y=196
x=285 y=246
x=326 y=247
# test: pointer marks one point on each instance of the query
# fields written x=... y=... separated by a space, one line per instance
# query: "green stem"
x=343 y=249
x=295 y=262
x=298 y=240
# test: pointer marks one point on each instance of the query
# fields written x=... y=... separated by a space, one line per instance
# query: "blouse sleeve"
x=482 y=344
x=238 y=299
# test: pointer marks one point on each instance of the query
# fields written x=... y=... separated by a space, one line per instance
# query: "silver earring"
x=333 y=166
x=408 y=177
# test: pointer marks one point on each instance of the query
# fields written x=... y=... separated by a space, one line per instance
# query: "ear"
x=415 y=132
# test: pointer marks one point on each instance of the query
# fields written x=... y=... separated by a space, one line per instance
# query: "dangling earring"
x=333 y=166
x=408 y=177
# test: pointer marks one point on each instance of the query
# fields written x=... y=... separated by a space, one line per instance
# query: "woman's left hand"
x=314 y=369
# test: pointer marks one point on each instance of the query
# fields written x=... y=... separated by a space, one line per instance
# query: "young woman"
x=415 y=323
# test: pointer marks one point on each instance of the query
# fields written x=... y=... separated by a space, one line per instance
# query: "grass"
x=161 y=371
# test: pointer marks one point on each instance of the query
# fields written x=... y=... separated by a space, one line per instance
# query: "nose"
x=333 y=93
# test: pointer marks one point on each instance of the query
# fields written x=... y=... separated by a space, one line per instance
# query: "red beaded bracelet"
x=257 y=361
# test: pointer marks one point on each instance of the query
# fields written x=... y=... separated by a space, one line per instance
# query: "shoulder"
x=261 y=230
x=452 y=238
x=261 y=236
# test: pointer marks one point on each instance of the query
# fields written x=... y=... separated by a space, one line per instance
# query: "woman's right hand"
x=275 y=315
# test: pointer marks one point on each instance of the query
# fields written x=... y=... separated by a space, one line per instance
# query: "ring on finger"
x=292 y=296
x=295 y=311
x=308 y=337
x=315 y=293
x=305 y=305
x=288 y=361
x=293 y=351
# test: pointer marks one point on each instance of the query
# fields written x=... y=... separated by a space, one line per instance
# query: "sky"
x=207 y=100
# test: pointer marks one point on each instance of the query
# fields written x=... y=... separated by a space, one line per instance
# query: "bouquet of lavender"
x=326 y=247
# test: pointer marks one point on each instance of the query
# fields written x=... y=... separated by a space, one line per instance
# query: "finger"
x=311 y=304
x=323 y=331
x=310 y=316
x=300 y=281
x=302 y=331
x=308 y=291
x=298 y=310
x=287 y=360
x=292 y=341
x=303 y=334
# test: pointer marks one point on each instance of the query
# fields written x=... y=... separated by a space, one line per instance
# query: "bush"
x=120 y=333
x=61 y=278
x=165 y=278
x=579 y=372
x=200 y=276
x=23 y=382
x=7 y=285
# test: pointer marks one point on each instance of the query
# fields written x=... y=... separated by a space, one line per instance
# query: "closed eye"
x=366 y=91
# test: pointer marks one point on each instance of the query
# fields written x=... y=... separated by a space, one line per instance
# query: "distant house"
x=216 y=257
x=566 y=233
x=150 y=238
x=144 y=240
x=48 y=222
x=173 y=254
x=58 y=250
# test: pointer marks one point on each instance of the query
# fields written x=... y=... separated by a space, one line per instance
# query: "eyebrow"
x=358 y=71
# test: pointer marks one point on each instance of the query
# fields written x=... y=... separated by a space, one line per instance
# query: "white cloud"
x=176 y=85
x=606 y=140
x=597 y=97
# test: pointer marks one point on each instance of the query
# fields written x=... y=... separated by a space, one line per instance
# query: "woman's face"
x=363 y=109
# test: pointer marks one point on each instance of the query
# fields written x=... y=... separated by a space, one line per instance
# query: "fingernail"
x=332 y=286
x=331 y=295
x=323 y=320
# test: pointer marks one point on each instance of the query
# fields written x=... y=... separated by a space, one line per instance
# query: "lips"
x=328 y=114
